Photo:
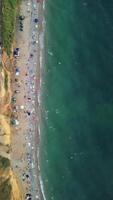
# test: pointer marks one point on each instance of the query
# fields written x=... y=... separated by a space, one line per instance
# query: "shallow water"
x=76 y=153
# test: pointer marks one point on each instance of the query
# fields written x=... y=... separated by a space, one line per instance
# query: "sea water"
x=76 y=149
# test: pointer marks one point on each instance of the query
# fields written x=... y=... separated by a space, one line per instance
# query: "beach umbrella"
x=36 y=26
x=29 y=143
x=28 y=10
x=22 y=107
x=16 y=122
x=17 y=73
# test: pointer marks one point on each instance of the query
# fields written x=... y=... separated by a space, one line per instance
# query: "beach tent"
x=21 y=17
x=16 y=107
x=13 y=99
x=36 y=20
x=16 y=52
x=17 y=72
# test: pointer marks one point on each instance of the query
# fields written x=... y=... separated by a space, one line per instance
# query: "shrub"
x=4 y=162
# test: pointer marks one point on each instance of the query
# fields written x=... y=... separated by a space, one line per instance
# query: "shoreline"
x=41 y=61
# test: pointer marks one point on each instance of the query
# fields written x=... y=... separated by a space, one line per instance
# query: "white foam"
x=44 y=5
x=59 y=63
x=41 y=60
x=39 y=98
x=50 y=53
x=42 y=187
x=39 y=129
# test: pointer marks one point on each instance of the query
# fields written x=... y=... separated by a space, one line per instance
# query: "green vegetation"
x=6 y=81
x=5 y=189
x=4 y=162
x=5 y=185
x=8 y=22
x=0 y=65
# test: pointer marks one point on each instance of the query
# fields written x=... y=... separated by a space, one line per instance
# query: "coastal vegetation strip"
x=0 y=18
x=9 y=8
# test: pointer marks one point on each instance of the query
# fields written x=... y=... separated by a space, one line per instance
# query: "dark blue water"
x=76 y=154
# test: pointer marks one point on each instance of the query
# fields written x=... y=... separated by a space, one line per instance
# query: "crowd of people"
x=30 y=85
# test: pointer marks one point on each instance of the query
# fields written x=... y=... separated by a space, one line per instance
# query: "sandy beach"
x=25 y=90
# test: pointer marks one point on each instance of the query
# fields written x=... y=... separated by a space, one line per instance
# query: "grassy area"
x=6 y=81
x=5 y=190
x=4 y=162
x=8 y=22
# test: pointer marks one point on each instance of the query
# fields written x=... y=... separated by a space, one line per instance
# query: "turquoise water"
x=76 y=155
